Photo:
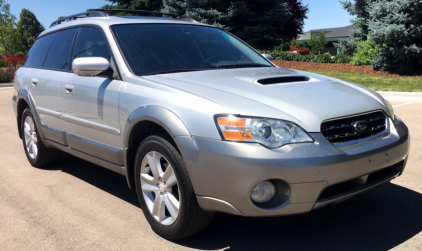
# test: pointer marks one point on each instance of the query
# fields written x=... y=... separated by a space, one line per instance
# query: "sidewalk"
x=6 y=85
x=403 y=96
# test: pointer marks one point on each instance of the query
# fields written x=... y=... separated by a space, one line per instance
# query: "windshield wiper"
x=229 y=66
x=172 y=71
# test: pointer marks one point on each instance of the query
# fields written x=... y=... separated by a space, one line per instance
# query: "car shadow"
x=104 y=179
x=378 y=220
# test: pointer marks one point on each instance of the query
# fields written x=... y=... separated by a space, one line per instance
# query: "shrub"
x=20 y=54
x=366 y=52
x=6 y=74
x=342 y=59
x=300 y=50
x=3 y=63
x=325 y=58
x=287 y=56
x=297 y=43
x=284 y=46
x=14 y=61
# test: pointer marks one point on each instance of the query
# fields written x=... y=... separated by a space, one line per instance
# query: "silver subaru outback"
x=199 y=122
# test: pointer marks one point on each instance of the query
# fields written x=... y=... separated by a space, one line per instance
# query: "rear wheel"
x=165 y=191
x=36 y=152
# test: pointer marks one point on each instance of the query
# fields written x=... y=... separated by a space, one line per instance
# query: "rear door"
x=50 y=60
x=90 y=104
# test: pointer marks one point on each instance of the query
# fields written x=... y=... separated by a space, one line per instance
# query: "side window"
x=91 y=43
x=58 y=56
x=39 y=50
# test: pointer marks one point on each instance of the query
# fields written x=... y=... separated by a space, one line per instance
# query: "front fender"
x=159 y=115
x=152 y=113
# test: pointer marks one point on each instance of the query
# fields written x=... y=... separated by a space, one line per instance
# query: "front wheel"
x=165 y=191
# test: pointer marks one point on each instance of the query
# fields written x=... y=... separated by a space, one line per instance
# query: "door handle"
x=34 y=82
x=69 y=88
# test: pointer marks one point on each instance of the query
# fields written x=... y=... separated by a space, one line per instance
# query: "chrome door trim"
x=78 y=121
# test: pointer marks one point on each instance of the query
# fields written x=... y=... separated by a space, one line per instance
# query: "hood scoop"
x=283 y=80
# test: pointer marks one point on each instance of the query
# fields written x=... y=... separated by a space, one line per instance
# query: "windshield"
x=165 y=48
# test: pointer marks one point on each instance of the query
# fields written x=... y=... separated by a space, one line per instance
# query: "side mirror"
x=268 y=56
x=90 y=66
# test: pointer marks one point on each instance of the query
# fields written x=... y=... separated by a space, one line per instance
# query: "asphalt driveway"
x=77 y=205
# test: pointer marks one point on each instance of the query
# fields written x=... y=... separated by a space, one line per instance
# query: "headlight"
x=271 y=133
x=390 y=109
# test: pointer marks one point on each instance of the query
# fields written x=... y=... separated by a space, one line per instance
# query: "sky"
x=322 y=13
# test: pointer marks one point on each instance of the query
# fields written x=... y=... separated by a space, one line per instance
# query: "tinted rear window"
x=58 y=56
x=39 y=50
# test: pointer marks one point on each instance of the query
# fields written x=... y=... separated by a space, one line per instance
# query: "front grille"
x=350 y=128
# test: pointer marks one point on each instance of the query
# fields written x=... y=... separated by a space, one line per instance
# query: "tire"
x=165 y=192
x=36 y=152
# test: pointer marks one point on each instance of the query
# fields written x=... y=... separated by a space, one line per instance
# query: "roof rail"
x=102 y=13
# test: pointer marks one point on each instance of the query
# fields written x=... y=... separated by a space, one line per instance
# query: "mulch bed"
x=306 y=66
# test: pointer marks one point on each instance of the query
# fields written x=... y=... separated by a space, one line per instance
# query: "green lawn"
x=378 y=83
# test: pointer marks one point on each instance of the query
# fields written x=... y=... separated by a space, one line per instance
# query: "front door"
x=90 y=104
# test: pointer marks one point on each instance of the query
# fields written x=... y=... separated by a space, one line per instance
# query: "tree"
x=151 y=5
x=8 y=37
x=296 y=20
x=28 y=29
x=259 y=23
x=359 y=8
x=318 y=43
x=215 y=12
x=396 y=24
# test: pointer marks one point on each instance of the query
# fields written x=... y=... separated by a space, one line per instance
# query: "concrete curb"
x=404 y=96
x=5 y=85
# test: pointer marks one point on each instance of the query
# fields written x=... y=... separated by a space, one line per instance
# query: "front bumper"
x=223 y=173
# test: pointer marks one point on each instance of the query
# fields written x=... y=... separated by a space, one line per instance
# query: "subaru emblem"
x=360 y=126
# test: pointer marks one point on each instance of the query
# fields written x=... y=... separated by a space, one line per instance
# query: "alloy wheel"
x=159 y=188
x=31 y=138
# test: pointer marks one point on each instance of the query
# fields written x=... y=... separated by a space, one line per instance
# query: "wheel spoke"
x=167 y=174
x=154 y=164
x=158 y=210
x=31 y=124
x=27 y=122
x=171 y=181
x=26 y=131
x=149 y=188
x=34 y=150
x=172 y=205
x=28 y=142
x=148 y=179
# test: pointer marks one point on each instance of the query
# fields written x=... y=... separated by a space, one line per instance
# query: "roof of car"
x=106 y=20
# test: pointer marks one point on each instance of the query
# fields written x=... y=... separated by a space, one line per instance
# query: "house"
x=333 y=35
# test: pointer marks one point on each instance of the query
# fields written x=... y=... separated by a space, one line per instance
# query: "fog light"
x=263 y=192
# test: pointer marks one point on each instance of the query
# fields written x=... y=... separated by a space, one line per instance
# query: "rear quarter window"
x=39 y=50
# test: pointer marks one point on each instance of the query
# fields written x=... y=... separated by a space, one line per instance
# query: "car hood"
x=306 y=103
